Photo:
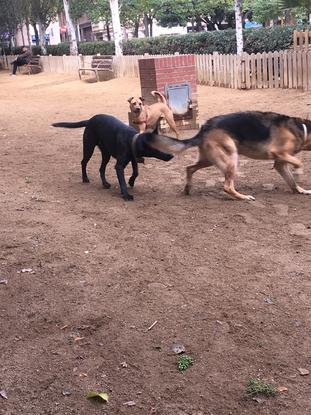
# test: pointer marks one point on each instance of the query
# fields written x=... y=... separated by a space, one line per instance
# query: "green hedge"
x=224 y=41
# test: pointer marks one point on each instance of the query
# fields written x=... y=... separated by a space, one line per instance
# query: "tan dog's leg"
x=283 y=169
x=171 y=122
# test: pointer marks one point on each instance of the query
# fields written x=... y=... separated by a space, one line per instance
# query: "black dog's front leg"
x=134 y=174
x=120 y=173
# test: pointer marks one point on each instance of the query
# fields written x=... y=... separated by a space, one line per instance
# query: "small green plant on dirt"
x=257 y=387
x=184 y=362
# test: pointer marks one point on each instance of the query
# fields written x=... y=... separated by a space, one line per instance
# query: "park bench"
x=33 y=67
x=101 y=66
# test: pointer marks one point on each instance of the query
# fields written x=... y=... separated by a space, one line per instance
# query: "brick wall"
x=155 y=73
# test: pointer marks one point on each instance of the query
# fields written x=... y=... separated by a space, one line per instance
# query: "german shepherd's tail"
x=78 y=124
x=160 y=97
x=172 y=145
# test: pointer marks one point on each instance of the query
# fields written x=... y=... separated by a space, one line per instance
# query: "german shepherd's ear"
x=130 y=99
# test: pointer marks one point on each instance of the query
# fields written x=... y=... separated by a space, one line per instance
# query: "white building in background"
x=87 y=31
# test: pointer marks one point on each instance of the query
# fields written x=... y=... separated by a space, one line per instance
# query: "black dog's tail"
x=78 y=124
x=172 y=145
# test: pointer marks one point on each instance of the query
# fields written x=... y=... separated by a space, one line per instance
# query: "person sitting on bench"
x=22 y=59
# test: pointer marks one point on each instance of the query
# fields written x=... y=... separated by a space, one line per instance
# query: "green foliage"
x=268 y=40
x=224 y=41
x=58 y=50
x=258 y=387
x=184 y=362
x=92 y=48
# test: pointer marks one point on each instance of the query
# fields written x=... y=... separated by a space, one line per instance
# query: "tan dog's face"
x=136 y=104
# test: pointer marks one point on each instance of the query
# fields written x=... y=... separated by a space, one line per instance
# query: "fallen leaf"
x=83 y=375
x=282 y=389
x=66 y=393
x=303 y=372
x=259 y=400
x=98 y=395
x=124 y=364
x=5 y=282
x=64 y=327
x=3 y=394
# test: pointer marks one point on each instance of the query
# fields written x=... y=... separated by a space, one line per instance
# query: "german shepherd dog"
x=119 y=141
x=255 y=134
x=147 y=116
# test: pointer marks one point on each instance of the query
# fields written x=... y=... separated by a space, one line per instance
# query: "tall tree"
x=238 y=25
x=43 y=12
x=116 y=25
x=71 y=30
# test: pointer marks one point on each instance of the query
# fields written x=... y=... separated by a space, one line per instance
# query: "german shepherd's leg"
x=88 y=150
x=225 y=157
x=283 y=169
x=230 y=171
x=120 y=166
x=102 y=171
x=191 y=170
x=134 y=174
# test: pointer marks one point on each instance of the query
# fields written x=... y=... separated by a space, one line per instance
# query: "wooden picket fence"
x=285 y=69
x=302 y=39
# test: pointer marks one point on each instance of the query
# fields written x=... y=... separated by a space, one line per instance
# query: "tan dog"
x=147 y=116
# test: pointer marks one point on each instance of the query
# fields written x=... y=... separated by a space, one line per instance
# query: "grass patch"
x=257 y=387
x=184 y=362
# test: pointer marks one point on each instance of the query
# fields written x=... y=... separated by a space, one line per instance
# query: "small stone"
x=303 y=372
x=3 y=394
x=66 y=392
x=5 y=282
x=124 y=364
x=268 y=186
x=178 y=348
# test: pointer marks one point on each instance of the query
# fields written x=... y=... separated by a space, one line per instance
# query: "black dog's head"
x=144 y=149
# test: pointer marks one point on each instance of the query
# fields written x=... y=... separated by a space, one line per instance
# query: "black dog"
x=117 y=140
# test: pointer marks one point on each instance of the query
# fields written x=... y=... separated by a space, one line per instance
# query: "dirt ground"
x=229 y=280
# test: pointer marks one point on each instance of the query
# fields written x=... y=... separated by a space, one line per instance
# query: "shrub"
x=223 y=41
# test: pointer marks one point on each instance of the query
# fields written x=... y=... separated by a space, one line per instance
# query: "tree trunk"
x=70 y=30
x=136 y=29
x=146 y=24
x=28 y=32
x=34 y=25
x=21 y=27
x=42 y=41
x=108 y=31
x=116 y=25
x=150 y=26
x=238 y=25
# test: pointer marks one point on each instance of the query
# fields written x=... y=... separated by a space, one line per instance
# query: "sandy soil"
x=229 y=280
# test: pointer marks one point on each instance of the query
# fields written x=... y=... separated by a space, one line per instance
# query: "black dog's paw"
x=106 y=185
x=128 y=197
x=132 y=181
x=140 y=160
x=85 y=180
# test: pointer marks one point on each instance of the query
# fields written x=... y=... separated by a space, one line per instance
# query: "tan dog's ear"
x=142 y=99
x=130 y=99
